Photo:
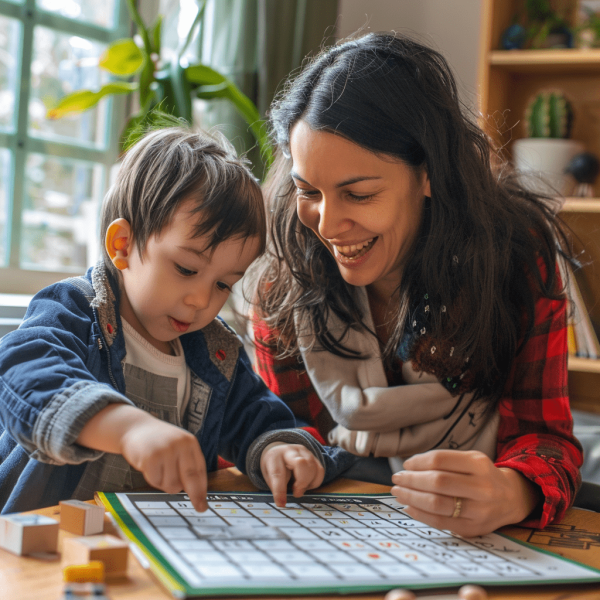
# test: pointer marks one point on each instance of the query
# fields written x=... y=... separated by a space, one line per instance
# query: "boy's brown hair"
x=168 y=166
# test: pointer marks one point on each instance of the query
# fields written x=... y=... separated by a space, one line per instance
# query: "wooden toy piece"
x=26 y=534
x=472 y=592
x=84 y=581
x=81 y=518
x=466 y=592
x=400 y=594
x=92 y=572
x=119 y=260
x=109 y=549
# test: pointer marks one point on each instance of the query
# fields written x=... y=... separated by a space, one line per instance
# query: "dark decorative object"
x=514 y=37
x=559 y=37
x=584 y=168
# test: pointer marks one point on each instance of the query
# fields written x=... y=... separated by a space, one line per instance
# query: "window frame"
x=13 y=278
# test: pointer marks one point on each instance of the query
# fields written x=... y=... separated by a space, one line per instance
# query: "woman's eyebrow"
x=342 y=183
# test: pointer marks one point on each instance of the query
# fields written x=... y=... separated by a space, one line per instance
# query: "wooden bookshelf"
x=507 y=79
x=550 y=61
x=581 y=205
x=584 y=365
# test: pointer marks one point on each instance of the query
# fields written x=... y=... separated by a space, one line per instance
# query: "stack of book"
x=582 y=338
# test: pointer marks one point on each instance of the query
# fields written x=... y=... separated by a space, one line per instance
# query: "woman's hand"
x=437 y=484
x=279 y=461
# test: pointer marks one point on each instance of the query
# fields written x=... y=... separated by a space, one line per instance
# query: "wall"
x=449 y=26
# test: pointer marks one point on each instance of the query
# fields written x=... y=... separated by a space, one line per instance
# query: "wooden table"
x=577 y=537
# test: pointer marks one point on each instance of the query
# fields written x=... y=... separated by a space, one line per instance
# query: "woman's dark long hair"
x=482 y=234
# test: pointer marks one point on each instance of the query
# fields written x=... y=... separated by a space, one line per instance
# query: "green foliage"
x=85 y=99
x=540 y=20
x=155 y=119
x=169 y=89
x=123 y=58
x=549 y=114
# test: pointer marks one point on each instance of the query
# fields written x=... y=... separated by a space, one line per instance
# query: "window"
x=53 y=174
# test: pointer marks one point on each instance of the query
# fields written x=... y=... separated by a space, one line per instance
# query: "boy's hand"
x=279 y=461
x=169 y=458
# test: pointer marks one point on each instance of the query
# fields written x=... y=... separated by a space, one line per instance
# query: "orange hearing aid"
x=120 y=258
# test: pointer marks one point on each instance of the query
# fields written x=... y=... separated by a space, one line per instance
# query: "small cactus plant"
x=549 y=114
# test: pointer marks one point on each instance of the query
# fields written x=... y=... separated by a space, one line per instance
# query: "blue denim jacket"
x=63 y=365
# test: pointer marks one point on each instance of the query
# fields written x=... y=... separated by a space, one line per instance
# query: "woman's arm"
x=535 y=437
x=287 y=379
x=536 y=473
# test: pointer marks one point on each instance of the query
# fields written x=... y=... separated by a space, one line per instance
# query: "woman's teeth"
x=356 y=250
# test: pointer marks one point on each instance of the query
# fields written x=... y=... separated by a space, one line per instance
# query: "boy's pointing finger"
x=192 y=471
x=277 y=476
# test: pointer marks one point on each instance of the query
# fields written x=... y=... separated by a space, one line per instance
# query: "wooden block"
x=81 y=518
x=109 y=549
x=27 y=533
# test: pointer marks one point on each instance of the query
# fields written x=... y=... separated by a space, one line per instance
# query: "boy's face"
x=179 y=287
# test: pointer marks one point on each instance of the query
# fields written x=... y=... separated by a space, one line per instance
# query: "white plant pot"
x=542 y=163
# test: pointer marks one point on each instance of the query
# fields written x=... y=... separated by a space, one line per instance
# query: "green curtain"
x=258 y=43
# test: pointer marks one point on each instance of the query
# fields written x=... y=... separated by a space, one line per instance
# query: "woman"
x=411 y=288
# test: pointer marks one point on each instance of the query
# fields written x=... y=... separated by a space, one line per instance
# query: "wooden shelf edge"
x=584 y=365
x=568 y=56
x=584 y=205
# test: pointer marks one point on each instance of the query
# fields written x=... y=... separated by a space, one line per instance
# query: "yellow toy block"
x=109 y=549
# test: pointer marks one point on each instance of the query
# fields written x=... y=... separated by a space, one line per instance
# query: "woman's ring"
x=457 y=507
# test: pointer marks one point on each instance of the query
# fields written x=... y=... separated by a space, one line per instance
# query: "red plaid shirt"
x=535 y=435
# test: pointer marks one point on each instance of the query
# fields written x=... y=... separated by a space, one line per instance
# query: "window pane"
x=61 y=64
x=9 y=40
x=5 y=160
x=98 y=13
x=60 y=213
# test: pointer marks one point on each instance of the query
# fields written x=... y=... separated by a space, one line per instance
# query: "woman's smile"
x=352 y=254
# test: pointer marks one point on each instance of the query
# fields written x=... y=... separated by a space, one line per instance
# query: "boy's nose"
x=199 y=298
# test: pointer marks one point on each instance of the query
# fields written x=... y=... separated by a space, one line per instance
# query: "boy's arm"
x=333 y=460
x=47 y=391
x=168 y=456
x=255 y=418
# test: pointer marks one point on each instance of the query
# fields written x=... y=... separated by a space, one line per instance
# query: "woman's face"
x=366 y=209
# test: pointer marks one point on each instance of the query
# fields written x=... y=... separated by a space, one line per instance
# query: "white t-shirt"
x=143 y=355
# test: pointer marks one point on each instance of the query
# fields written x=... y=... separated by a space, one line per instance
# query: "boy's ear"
x=118 y=242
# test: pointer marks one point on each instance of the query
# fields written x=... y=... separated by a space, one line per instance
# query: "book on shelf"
x=581 y=337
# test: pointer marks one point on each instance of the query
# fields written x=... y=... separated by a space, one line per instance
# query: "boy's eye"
x=223 y=286
x=184 y=271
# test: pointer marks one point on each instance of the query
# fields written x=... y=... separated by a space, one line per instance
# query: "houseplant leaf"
x=155 y=34
x=204 y=75
x=122 y=58
x=86 y=99
x=245 y=107
x=181 y=90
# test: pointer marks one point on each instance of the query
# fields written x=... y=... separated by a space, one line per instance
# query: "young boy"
x=125 y=377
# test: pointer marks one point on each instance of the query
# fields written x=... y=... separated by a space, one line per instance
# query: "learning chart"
x=323 y=543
